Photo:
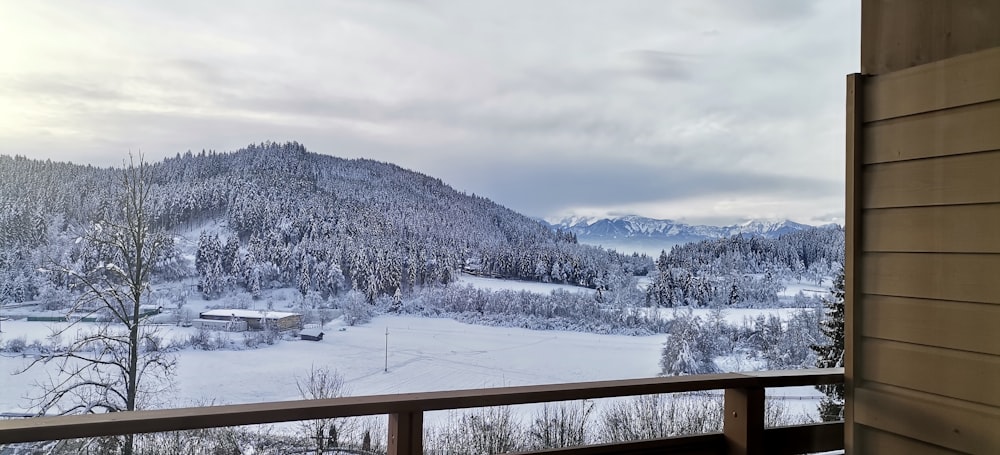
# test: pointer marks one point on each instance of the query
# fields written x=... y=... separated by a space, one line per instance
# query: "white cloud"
x=738 y=94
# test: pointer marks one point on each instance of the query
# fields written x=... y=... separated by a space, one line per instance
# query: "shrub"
x=16 y=345
x=485 y=430
x=560 y=425
x=356 y=309
x=660 y=416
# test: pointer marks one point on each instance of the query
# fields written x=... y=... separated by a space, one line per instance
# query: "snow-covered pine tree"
x=305 y=280
x=230 y=255
x=205 y=254
x=831 y=407
x=208 y=264
x=687 y=350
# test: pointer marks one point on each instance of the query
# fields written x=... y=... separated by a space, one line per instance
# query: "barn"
x=256 y=319
x=228 y=325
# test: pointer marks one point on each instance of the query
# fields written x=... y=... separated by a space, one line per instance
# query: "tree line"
x=743 y=269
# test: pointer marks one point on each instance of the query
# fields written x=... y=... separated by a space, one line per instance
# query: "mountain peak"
x=573 y=220
x=635 y=228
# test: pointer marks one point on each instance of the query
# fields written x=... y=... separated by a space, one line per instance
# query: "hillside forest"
x=276 y=215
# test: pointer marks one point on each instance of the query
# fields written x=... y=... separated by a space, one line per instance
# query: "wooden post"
x=744 y=421
x=853 y=247
x=406 y=433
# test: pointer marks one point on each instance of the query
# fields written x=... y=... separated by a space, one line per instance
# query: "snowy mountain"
x=649 y=235
x=284 y=216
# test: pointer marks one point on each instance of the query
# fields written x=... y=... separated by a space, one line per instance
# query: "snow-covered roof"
x=248 y=314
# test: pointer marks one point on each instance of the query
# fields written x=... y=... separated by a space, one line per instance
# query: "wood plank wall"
x=898 y=34
x=923 y=368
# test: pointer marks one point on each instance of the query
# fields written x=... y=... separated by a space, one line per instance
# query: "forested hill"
x=745 y=269
x=292 y=217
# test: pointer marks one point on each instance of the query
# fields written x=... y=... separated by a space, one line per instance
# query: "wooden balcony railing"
x=743 y=427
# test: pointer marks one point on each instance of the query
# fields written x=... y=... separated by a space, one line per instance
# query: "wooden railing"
x=743 y=427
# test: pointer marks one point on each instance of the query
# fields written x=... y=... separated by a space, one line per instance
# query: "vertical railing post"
x=406 y=433
x=744 y=421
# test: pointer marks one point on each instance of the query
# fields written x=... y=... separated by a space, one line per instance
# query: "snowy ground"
x=424 y=355
x=810 y=288
x=495 y=284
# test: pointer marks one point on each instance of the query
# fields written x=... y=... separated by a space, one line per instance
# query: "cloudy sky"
x=697 y=110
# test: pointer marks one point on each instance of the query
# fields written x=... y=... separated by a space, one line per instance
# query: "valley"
x=414 y=286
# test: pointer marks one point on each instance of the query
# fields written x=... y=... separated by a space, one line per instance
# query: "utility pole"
x=387 y=349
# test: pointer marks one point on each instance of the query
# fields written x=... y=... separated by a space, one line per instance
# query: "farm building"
x=229 y=325
x=311 y=334
x=255 y=319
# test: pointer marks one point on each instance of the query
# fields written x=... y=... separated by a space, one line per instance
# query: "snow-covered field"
x=807 y=288
x=424 y=355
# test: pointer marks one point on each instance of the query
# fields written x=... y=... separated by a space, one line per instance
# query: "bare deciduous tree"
x=477 y=431
x=660 y=416
x=322 y=383
x=118 y=364
x=560 y=425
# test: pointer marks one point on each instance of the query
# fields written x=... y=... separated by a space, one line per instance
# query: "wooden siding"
x=882 y=442
x=923 y=368
x=968 y=326
x=898 y=34
x=953 y=424
x=935 y=229
x=950 y=180
x=943 y=276
x=889 y=94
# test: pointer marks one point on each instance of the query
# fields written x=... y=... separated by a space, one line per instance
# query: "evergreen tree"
x=831 y=407
x=205 y=255
x=230 y=254
x=305 y=280
x=208 y=263
x=687 y=350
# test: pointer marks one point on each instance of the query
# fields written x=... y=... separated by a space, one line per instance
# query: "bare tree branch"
x=109 y=367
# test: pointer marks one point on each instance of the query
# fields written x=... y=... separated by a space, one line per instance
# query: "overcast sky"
x=695 y=110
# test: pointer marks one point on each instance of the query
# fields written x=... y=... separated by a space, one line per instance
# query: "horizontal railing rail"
x=743 y=425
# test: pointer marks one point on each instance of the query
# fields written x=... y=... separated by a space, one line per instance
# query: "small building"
x=311 y=334
x=229 y=325
x=256 y=319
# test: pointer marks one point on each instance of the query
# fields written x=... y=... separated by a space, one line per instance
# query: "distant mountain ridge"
x=618 y=232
